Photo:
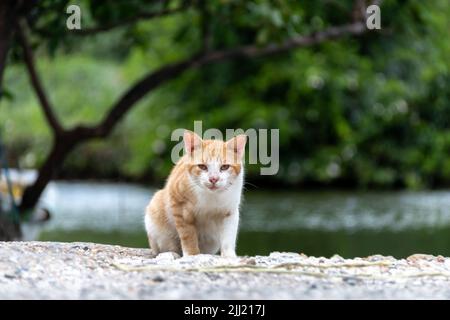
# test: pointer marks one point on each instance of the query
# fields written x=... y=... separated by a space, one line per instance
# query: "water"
x=316 y=223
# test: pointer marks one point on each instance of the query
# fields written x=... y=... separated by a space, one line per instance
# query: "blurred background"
x=363 y=116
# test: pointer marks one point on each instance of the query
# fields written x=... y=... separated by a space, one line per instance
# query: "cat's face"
x=214 y=165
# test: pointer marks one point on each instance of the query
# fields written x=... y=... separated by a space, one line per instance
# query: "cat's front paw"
x=169 y=255
x=191 y=253
x=228 y=254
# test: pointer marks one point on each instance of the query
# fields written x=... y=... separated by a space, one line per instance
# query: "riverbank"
x=50 y=270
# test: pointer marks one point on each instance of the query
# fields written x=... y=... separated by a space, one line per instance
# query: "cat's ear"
x=237 y=144
x=191 y=141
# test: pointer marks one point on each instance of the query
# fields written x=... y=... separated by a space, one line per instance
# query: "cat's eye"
x=224 y=167
x=203 y=167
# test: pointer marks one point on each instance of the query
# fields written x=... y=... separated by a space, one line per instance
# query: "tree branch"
x=140 y=16
x=154 y=79
x=254 y=51
x=134 y=94
x=36 y=82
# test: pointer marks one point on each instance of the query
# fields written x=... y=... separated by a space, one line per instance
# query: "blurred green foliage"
x=371 y=111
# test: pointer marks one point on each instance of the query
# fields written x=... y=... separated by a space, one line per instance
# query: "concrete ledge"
x=49 y=270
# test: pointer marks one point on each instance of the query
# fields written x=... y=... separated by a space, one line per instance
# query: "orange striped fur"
x=198 y=209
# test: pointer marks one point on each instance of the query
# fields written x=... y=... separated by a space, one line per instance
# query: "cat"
x=197 y=211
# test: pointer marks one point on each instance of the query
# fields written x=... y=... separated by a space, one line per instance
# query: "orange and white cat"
x=198 y=209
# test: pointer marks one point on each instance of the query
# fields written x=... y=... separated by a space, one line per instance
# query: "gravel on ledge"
x=51 y=270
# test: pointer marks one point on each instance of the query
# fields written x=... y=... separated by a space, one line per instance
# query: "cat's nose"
x=213 y=179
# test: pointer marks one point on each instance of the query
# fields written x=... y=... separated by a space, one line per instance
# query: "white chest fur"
x=216 y=214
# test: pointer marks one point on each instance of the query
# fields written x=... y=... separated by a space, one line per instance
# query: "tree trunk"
x=7 y=16
x=61 y=147
x=9 y=230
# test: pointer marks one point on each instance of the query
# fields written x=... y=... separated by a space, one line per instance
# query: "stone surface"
x=49 y=270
